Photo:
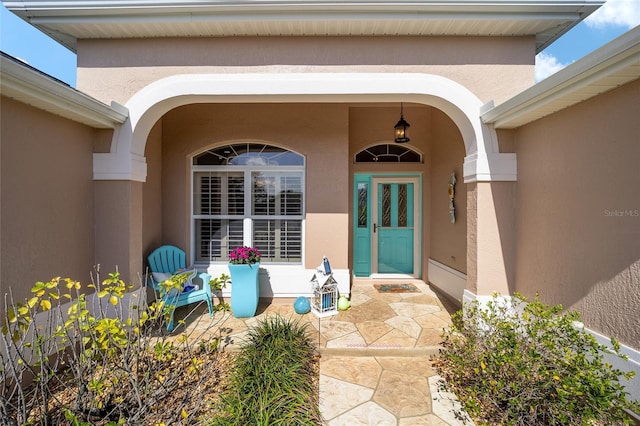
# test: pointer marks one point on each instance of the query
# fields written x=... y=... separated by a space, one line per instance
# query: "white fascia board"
x=52 y=15
x=622 y=53
x=441 y=5
x=169 y=11
x=32 y=87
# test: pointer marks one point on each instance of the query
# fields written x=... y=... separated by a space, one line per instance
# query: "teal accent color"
x=395 y=251
x=302 y=305
x=395 y=244
x=170 y=259
x=245 y=291
x=410 y=201
x=361 y=235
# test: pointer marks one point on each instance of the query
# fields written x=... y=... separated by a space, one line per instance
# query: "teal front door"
x=395 y=219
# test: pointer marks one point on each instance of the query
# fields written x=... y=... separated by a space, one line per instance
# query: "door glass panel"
x=402 y=205
x=386 y=205
x=362 y=205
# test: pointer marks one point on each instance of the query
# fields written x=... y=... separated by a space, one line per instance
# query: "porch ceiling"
x=70 y=20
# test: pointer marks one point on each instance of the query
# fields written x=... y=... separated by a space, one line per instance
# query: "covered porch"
x=328 y=124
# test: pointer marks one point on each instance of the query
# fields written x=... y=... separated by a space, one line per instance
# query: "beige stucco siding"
x=119 y=228
x=448 y=240
x=318 y=132
x=47 y=199
x=152 y=194
x=493 y=68
x=328 y=135
x=578 y=211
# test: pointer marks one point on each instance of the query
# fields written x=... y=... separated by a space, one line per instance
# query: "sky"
x=615 y=17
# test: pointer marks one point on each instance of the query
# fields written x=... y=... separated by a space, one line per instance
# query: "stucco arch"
x=483 y=161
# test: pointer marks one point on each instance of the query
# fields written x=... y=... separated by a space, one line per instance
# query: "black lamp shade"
x=401 y=131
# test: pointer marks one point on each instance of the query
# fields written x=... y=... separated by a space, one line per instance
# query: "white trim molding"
x=490 y=167
x=148 y=105
x=284 y=281
x=611 y=66
x=449 y=281
x=25 y=84
x=631 y=364
x=70 y=20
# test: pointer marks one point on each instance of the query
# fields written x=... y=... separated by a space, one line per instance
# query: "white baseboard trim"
x=284 y=281
x=451 y=282
x=632 y=364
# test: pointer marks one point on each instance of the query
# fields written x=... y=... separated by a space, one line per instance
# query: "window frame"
x=385 y=157
x=248 y=217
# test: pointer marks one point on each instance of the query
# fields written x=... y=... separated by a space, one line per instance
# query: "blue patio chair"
x=166 y=261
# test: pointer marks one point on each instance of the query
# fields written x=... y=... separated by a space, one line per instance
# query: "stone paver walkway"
x=375 y=366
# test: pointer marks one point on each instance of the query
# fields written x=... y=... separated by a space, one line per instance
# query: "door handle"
x=374 y=228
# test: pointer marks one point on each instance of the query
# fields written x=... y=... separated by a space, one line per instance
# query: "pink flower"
x=244 y=255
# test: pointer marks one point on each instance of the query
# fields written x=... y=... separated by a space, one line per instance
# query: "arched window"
x=248 y=194
x=388 y=153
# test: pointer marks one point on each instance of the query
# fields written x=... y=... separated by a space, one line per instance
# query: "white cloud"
x=623 y=13
x=546 y=65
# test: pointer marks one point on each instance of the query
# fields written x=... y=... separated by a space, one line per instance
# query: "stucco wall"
x=491 y=67
x=328 y=135
x=47 y=199
x=118 y=230
x=318 y=132
x=152 y=194
x=578 y=211
x=372 y=125
x=448 y=240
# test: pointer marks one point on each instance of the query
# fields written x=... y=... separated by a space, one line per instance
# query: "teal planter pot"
x=245 y=292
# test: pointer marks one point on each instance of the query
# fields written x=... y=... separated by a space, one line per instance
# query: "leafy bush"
x=274 y=379
x=516 y=363
x=71 y=358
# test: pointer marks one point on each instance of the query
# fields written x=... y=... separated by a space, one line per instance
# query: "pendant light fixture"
x=401 y=129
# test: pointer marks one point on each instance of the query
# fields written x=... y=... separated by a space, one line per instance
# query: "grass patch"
x=274 y=380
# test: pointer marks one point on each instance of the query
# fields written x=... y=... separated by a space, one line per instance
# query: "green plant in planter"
x=511 y=362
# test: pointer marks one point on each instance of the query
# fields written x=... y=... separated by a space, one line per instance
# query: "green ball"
x=343 y=303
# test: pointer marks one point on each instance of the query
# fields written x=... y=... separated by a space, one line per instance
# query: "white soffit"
x=607 y=68
x=70 y=20
x=29 y=86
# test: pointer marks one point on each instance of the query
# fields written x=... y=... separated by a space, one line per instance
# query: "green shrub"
x=516 y=363
x=70 y=358
x=274 y=379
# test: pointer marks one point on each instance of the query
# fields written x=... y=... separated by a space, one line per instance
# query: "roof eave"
x=27 y=85
x=611 y=66
x=43 y=14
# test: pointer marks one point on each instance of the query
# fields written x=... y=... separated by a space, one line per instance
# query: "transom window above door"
x=248 y=194
x=388 y=153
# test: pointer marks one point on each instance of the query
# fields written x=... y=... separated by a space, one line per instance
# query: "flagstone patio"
x=375 y=366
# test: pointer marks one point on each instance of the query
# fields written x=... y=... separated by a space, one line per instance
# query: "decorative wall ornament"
x=452 y=193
